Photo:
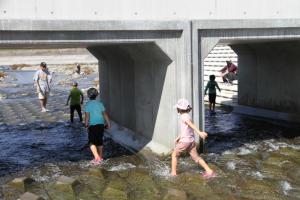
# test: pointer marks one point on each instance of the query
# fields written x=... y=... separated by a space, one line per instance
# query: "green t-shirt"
x=211 y=86
x=75 y=94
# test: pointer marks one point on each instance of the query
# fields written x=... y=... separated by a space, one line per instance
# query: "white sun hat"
x=182 y=104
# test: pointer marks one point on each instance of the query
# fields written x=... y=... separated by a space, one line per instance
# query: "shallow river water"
x=254 y=158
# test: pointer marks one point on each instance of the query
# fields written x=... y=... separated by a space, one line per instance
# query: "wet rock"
x=93 y=183
x=30 y=196
x=97 y=172
x=66 y=184
x=260 y=190
x=294 y=174
x=196 y=186
x=174 y=194
x=114 y=194
x=142 y=186
x=66 y=188
x=273 y=172
x=21 y=183
x=276 y=159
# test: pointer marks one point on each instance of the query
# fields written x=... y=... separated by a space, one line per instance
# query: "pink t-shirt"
x=187 y=133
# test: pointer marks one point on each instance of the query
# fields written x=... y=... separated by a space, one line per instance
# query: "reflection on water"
x=254 y=158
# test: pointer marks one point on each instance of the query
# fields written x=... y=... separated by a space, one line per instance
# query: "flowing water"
x=254 y=158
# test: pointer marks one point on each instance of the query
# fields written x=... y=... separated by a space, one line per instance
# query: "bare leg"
x=209 y=106
x=214 y=105
x=42 y=103
x=174 y=164
x=95 y=152
x=45 y=102
x=100 y=151
x=203 y=164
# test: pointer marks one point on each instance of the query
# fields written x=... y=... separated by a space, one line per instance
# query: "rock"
x=142 y=186
x=97 y=172
x=65 y=188
x=196 y=186
x=174 y=194
x=30 y=196
x=276 y=159
x=21 y=183
x=114 y=194
x=66 y=184
x=94 y=183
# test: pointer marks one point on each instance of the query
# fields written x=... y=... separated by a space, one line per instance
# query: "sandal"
x=96 y=162
x=205 y=175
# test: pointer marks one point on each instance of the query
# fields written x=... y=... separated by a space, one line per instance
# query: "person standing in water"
x=212 y=94
x=186 y=140
x=95 y=115
x=76 y=97
x=43 y=85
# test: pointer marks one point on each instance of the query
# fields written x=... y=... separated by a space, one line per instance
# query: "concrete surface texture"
x=146 y=66
x=149 y=10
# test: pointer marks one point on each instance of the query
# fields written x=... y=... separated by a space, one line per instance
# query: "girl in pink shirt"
x=186 y=140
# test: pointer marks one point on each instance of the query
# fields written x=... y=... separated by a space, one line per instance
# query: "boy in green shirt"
x=212 y=94
x=76 y=101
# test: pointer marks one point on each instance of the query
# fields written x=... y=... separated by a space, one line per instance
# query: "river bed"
x=254 y=158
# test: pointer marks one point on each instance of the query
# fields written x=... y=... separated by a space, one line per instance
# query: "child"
x=94 y=120
x=186 y=140
x=76 y=102
x=211 y=86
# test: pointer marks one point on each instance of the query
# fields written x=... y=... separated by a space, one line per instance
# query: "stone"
x=94 y=183
x=174 y=194
x=97 y=172
x=21 y=183
x=114 y=194
x=66 y=184
x=142 y=186
x=30 y=196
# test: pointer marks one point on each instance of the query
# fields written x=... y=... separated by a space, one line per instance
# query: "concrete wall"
x=267 y=54
x=268 y=76
x=139 y=87
x=148 y=9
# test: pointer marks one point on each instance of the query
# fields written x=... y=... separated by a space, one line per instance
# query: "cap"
x=74 y=83
x=43 y=64
x=182 y=104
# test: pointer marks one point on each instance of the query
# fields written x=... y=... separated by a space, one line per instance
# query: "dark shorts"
x=212 y=98
x=96 y=134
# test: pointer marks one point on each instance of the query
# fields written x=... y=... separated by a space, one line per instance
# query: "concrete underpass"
x=145 y=68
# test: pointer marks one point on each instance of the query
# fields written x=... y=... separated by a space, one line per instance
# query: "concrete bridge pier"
x=140 y=83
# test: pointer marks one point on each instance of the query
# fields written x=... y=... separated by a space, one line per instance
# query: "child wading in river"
x=76 y=97
x=186 y=140
x=212 y=94
x=94 y=120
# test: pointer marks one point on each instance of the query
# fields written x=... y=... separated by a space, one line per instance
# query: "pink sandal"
x=205 y=175
x=96 y=162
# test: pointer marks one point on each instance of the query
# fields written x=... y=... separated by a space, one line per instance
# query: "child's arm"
x=81 y=102
x=218 y=87
x=206 y=89
x=106 y=119
x=68 y=99
x=201 y=134
x=86 y=119
x=177 y=139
